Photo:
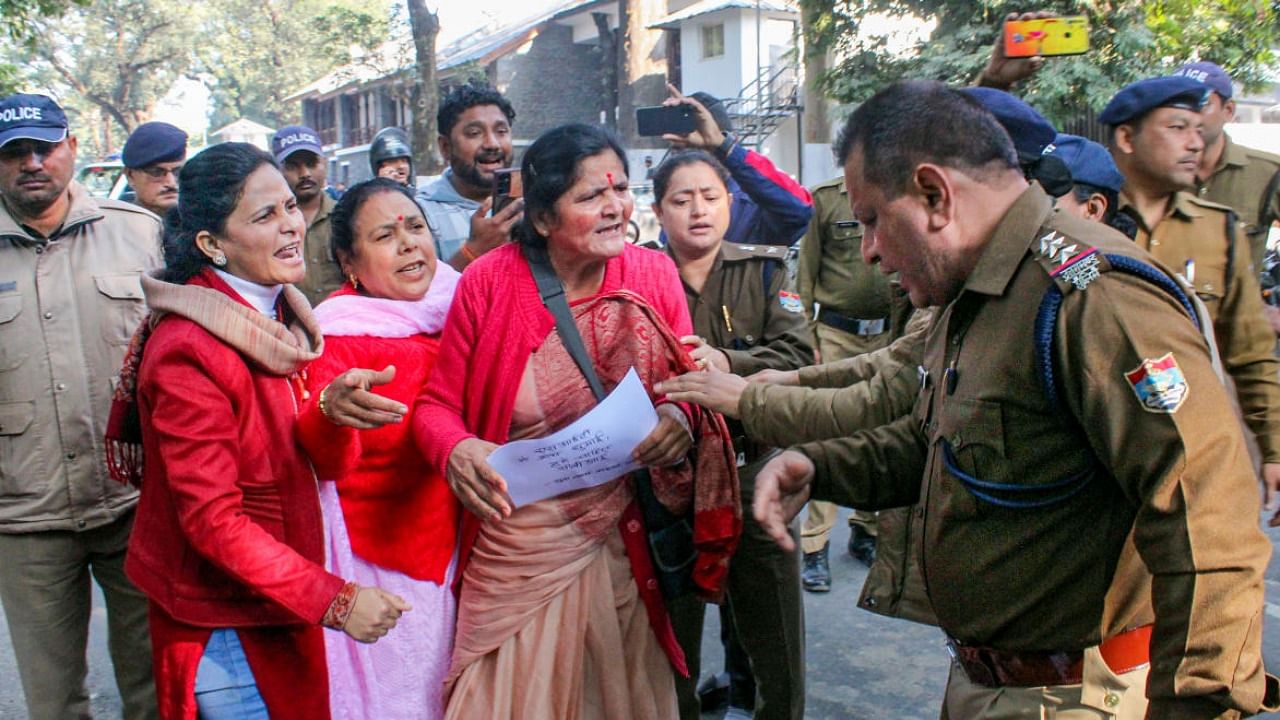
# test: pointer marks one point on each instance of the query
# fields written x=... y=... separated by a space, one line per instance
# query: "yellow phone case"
x=1046 y=36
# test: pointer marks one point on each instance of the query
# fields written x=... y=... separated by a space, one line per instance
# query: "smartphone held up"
x=507 y=186
x=666 y=119
x=1046 y=36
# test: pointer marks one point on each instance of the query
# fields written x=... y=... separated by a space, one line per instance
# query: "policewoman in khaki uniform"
x=1079 y=475
x=745 y=320
x=1156 y=144
x=847 y=303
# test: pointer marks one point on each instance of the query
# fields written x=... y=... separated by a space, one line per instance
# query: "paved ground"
x=860 y=665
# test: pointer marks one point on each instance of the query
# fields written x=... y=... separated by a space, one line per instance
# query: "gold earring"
x=355 y=282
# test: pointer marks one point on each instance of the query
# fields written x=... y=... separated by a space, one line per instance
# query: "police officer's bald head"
x=918 y=121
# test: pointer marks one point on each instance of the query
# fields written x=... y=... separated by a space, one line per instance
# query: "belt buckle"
x=869 y=327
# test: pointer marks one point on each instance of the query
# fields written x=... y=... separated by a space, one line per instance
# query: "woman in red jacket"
x=390 y=520
x=560 y=613
x=227 y=542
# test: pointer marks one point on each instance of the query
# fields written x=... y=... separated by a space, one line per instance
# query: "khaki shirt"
x=1193 y=239
x=759 y=328
x=1169 y=510
x=324 y=274
x=68 y=307
x=831 y=268
x=1239 y=180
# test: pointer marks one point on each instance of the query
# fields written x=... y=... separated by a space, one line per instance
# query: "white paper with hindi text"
x=593 y=450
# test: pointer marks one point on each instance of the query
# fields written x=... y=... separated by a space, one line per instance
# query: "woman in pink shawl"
x=559 y=613
x=390 y=520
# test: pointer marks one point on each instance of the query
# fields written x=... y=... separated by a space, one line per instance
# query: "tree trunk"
x=608 y=47
x=426 y=89
x=642 y=73
x=817 y=123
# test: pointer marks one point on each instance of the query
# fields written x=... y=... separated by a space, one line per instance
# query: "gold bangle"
x=324 y=410
x=467 y=253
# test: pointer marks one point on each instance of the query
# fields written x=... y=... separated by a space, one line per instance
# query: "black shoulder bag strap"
x=552 y=292
x=670 y=536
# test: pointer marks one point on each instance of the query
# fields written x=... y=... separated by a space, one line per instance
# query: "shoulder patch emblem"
x=1079 y=270
x=790 y=302
x=1159 y=384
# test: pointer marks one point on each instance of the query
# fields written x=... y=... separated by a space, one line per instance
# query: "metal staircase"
x=765 y=103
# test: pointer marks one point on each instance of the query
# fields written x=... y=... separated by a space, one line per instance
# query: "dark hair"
x=918 y=121
x=662 y=176
x=209 y=188
x=550 y=167
x=464 y=97
x=715 y=106
x=342 y=219
x=1083 y=191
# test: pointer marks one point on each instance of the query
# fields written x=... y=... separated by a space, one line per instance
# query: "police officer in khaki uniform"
x=1242 y=178
x=303 y=163
x=70 y=299
x=848 y=304
x=1079 y=475
x=1156 y=144
x=745 y=320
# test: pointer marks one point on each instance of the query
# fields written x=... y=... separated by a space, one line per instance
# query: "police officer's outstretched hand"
x=712 y=389
x=782 y=488
x=1271 y=491
x=769 y=376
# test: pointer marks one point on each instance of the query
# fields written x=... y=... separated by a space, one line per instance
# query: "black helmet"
x=388 y=144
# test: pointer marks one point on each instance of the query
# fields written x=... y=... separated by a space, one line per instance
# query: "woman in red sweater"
x=390 y=520
x=560 y=614
x=227 y=543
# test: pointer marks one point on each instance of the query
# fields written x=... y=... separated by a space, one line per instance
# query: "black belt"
x=852 y=325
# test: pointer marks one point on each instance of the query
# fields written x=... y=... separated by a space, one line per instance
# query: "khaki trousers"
x=766 y=605
x=833 y=345
x=44 y=587
x=1102 y=695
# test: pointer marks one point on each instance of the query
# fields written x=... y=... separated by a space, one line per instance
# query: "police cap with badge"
x=1211 y=74
x=25 y=116
x=154 y=142
x=291 y=139
x=1032 y=137
x=1137 y=99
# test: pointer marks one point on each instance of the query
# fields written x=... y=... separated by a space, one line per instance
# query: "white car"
x=105 y=179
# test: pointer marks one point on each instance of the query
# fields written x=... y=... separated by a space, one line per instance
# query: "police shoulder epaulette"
x=1073 y=266
x=113 y=205
x=1203 y=204
x=832 y=184
x=735 y=251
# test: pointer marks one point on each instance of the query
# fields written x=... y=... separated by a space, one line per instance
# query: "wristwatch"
x=726 y=145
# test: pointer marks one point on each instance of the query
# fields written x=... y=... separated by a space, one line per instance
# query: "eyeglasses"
x=160 y=172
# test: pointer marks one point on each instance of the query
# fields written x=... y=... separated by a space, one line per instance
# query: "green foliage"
x=18 y=17
x=1130 y=39
x=256 y=53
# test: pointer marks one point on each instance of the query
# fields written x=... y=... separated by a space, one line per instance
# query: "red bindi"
x=399 y=218
x=609 y=175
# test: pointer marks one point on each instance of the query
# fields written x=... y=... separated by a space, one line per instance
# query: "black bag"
x=670 y=536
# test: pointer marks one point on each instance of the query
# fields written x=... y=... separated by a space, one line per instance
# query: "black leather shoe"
x=862 y=545
x=815 y=576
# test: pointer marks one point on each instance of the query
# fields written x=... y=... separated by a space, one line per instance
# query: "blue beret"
x=1030 y=131
x=1089 y=162
x=31 y=117
x=1140 y=98
x=152 y=143
x=1210 y=74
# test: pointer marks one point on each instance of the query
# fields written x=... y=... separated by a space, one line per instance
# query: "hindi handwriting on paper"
x=592 y=450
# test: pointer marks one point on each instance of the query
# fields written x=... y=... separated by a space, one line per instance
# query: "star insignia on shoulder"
x=1055 y=247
